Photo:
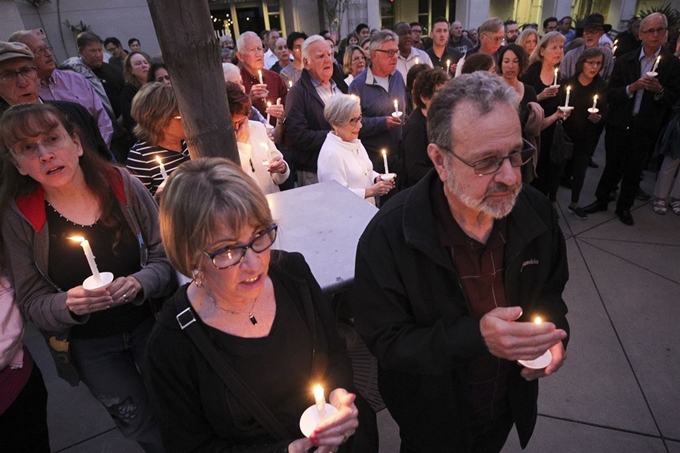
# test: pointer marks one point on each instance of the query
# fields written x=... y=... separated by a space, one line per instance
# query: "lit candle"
x=614 y=49
x=538 y=320
x=90 y=258
x=656 y=63
x=594 y=102
x=556 y=71
x=161 y=167
x=417 y=60
x=566 y=102
x=384 y=153
x=396 y=107
x=320 y=401
x=290 y=84
x=267 y=151
x=269 y=115
x=448 y=66
x=259 y=74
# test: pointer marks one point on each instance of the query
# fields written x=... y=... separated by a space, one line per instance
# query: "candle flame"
x=384 y=153
x=158 y=159
x=318 y=392
x=269 y=104
x=538 y=320
x=596 y=97
x=77 y=238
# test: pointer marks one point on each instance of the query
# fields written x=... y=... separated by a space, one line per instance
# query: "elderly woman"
x=584 y=127
x=528 y=39
x=161 y=147
x=135 y=70
x=54 y=191
x=259 y=156
x=342 y=157
x=540 y=75
x=259 y=313
x=354 y=62
x=414 y=142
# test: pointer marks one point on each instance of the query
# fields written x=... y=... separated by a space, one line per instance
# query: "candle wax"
x=384 y=153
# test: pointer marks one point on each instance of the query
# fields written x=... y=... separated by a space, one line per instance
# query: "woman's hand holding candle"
x=277 y=165
x=336 y=429
x=122 y=290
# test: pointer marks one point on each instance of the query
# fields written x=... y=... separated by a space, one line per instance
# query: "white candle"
x=396 y=107
x=614 y=49
x=269 y=115
x=656 y=63
x=384 y=153
x=566 y=102
x=161 y=167
x=259 y=74
x=267 y=151
x=90 y=258
x=448 y=66
x=594 y=102
x=320 y=401
x=417 y=60
x=290 y=84
x=556 y=71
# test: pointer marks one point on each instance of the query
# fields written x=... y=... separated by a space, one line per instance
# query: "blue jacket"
x=376 y=104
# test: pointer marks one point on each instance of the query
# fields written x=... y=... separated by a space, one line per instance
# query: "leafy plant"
x=667 y=10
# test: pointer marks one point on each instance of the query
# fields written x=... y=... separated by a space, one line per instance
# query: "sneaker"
x=675 y=206
x=579 y=213
x=659 y=206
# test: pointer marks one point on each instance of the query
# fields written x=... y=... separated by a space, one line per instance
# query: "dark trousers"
x=583 y=150
x=23 y=426
x=626 y=149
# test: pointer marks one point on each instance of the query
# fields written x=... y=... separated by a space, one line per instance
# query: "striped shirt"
x=142 y=163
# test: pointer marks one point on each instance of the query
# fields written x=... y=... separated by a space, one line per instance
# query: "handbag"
x=225 y=370
x=562 y=147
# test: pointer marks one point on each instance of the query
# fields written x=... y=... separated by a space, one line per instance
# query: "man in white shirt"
x=409 y=56
x=270 y=57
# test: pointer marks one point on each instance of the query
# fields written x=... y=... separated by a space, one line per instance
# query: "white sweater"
x=253 y=153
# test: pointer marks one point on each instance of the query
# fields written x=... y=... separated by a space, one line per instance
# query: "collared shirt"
x=326 y=92
x=270 y=59
x=406 y=63
x=73 y=87
x=449 y=54
x=646 y=65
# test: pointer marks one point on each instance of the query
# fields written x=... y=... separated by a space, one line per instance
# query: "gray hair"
x=338 y=110
x=308 y=42
x=492 y=25
x=381 y=38
x=644 y=21
x=20 y=36
x=543 y=43
x=241 y=41
x=230 y=71
x=480 y=88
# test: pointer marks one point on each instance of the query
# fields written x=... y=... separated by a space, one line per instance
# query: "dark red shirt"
x=275 y=85
x=481 y=271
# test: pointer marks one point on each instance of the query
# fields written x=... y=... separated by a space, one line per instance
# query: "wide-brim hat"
x=9 y=50
x=594 y=21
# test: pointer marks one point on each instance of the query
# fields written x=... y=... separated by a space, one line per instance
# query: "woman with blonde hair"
x=528 y=39
x=136 y=71
x=354 y=62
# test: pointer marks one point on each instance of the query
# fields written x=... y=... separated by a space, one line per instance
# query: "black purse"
x=562 y=146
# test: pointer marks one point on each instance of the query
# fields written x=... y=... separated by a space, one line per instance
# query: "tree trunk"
x=191 y=52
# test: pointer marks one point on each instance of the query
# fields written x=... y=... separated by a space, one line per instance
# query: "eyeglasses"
x=493 y=164
x=30 y=149
x=354 y=59
x=654 y=31
x=43 y=50
x=10 y=77
x=593 y=63
x=390 y=53
x=355 y=121
x=231 y=256
x=496 y=39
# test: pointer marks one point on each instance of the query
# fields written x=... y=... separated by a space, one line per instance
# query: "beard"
x=495 y=207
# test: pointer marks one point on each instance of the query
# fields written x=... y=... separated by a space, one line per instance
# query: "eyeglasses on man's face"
x=11 y=77
x=390 y=53
x=493 y=164
x=654 y=31
x=227 y=257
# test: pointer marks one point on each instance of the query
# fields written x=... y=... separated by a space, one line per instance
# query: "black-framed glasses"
x=227 y=257
x=26 y=72
x=493 y=164
x=390 y=53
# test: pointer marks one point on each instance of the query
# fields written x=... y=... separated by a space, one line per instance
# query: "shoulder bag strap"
x=226 y=372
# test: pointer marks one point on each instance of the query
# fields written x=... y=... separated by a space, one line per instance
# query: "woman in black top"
x=541 y=76
x=261 y=311
x=584 y=127
x=136 y=71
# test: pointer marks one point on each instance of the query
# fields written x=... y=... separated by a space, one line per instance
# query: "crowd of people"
x=461 y=138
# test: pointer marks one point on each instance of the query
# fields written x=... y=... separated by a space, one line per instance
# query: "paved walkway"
x=619 y=389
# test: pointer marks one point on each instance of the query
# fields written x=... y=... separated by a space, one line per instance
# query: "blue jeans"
x=112 y=368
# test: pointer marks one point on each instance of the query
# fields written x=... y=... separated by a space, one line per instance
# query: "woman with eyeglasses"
x=260 y=158
x=255 y=311
x=584 y=127
x=55 y=192
x=342 y=157
x=161 y=147
x=354 y=63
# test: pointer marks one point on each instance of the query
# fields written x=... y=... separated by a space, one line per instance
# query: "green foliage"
x=77 y=28
x=667 y=10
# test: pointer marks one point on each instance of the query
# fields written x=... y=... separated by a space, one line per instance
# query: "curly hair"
x=426 y=83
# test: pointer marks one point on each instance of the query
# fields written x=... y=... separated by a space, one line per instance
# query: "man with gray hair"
x=491 y=35
x=379 y=87
x=451 y=275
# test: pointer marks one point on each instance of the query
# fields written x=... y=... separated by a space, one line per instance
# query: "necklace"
x=249 y=314
x=69 y=221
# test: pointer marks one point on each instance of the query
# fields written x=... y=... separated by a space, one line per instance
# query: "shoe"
x=675 y=206
x=613 y=195
x=592 y=164
x=659 y=206
x=594 y=207
x=566 y=182
x=625 y=217
x=642 y=195
x=577 y=212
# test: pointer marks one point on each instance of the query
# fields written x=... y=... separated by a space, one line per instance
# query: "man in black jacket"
x=638 y=106
x=451 y=272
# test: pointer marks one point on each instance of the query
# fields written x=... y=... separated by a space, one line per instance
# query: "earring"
x=198 y=278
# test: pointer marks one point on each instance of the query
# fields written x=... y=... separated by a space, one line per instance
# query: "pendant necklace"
x=249 y=314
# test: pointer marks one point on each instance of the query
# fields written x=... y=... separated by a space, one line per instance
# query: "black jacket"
x=410 y=309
